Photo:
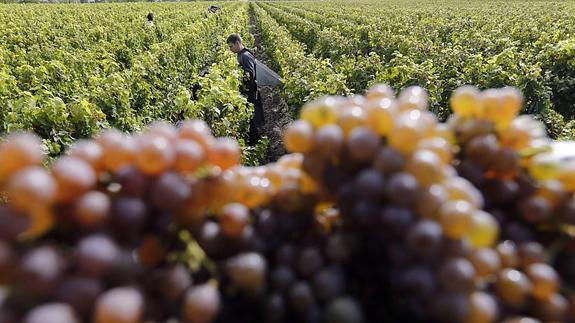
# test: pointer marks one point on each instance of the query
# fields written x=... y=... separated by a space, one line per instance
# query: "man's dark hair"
x=233 y=38
x=150 y=16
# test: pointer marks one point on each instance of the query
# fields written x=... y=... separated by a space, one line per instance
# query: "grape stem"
x=194 y=256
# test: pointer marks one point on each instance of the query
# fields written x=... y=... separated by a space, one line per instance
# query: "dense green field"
x=441 y=45
x=66 y=71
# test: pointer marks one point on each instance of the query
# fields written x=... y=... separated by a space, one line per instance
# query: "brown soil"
x=276 y=112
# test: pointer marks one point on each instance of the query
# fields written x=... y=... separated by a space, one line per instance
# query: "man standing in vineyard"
x=247 y=61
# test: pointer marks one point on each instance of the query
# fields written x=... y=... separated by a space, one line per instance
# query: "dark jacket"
x=247 y=61
x=250 y=89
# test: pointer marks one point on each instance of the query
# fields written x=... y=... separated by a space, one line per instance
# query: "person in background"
x=150 y=20
x=213 y=9
x=250 y=89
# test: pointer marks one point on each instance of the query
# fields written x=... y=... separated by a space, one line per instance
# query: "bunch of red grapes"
x=381 y=213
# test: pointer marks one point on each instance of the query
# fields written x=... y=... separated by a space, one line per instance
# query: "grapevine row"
x=85 y=86
x=429 y=45
x=304 y=76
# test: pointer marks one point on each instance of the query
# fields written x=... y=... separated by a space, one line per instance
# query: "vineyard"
x=67 y=75
x=438 y=48
x=410 y=168
x=67 y=72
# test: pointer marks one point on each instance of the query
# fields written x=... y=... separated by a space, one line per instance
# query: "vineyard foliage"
x=443 y=45
x=69 y=70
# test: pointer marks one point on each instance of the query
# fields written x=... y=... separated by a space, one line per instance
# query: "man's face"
x=235 y=47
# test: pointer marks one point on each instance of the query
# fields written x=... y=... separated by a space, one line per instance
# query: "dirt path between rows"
x=276 y=111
